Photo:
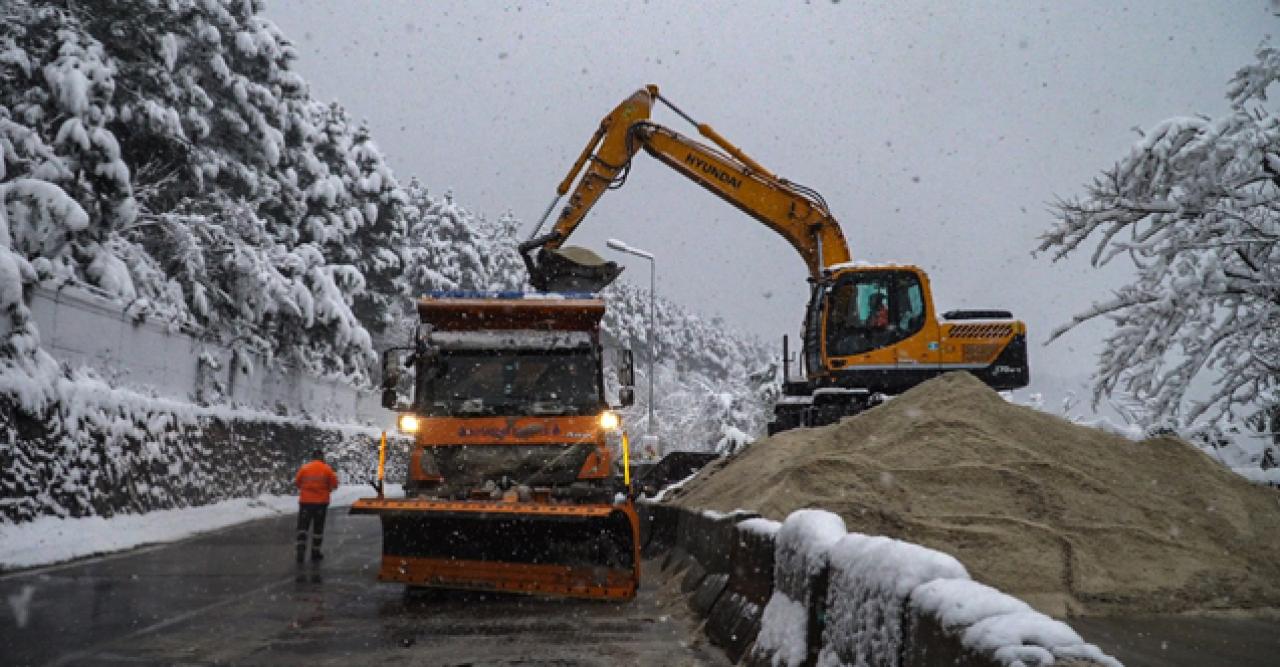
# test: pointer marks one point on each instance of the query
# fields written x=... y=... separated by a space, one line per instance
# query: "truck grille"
x=543 y=464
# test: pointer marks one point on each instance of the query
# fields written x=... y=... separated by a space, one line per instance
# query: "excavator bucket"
x=585 y=551
x=570 y=269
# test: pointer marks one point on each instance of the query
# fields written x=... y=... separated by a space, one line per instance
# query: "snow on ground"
x=1258 y=475
x=1241 y=450
x=50 y=540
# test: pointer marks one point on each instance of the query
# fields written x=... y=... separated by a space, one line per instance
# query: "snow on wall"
x=86 y=330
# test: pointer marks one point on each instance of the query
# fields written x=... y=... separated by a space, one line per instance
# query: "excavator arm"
x=798 y=214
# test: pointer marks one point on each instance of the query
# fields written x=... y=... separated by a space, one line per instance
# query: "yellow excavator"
x=869 y=330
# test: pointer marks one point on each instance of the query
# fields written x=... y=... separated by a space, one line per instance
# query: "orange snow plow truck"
x=516 y=482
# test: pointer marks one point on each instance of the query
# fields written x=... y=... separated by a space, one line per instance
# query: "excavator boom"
x=798 y=214
x=798 y=217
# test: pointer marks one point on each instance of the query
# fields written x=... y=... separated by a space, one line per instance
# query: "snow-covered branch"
x=1198 y=199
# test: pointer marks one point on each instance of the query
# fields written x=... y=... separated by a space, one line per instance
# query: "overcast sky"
x=939 y=132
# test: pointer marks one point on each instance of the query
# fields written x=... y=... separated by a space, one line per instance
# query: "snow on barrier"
x=988 y=623
x=806 y=592
x=792 y=625
x=870 y=581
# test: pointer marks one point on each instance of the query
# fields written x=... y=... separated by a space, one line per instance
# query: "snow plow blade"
x=584 y=551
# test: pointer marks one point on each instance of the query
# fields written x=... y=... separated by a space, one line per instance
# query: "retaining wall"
x=84 y=329
x=117 y=455
x=805 y=592
x=170 y=420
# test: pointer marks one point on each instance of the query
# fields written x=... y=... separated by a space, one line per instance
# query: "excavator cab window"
x=868 y=310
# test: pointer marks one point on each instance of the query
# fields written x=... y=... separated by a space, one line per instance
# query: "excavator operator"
x=879 y=312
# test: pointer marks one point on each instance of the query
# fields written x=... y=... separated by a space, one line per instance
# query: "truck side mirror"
x=390 y=379
x=390 y=369
x=626 y=396
x=626 y=370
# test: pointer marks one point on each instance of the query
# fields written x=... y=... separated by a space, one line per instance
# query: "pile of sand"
x=1069 y=518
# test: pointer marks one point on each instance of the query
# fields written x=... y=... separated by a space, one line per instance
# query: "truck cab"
x=508 y=394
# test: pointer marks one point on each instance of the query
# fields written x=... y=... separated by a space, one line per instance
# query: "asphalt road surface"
x=236 y=597
x=1162 y=641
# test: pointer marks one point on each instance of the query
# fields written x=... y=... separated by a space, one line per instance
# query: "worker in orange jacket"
x=315 y=479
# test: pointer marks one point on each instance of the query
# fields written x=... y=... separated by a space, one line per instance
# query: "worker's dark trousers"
x=311 y=516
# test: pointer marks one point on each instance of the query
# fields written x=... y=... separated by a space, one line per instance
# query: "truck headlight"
x=408 y=423
x=609 y=420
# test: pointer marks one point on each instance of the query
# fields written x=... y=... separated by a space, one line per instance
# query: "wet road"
x=1162 y=641
x=236 y=597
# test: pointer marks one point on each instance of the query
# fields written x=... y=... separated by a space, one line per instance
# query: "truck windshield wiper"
x=474 y=406
x=548 y=408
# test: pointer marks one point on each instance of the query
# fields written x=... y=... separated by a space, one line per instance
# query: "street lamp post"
x=651 y=431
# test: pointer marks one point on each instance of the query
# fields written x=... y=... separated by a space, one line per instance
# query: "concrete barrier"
x=708 y=593
x=871 y=579
x=959 y=621
x=734 y=620
x=707 y=537
x=807 y=592
x=792 y=622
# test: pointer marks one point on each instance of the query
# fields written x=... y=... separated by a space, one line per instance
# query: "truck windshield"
x=533 y=382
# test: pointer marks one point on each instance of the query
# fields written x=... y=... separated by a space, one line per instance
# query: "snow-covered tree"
x=444 y=248
x=220 y=195
x=713 y=385
x=1196 y=206
x=501 y=238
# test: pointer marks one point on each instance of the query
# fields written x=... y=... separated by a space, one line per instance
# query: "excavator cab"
x=872 y=330
x=869 y=310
